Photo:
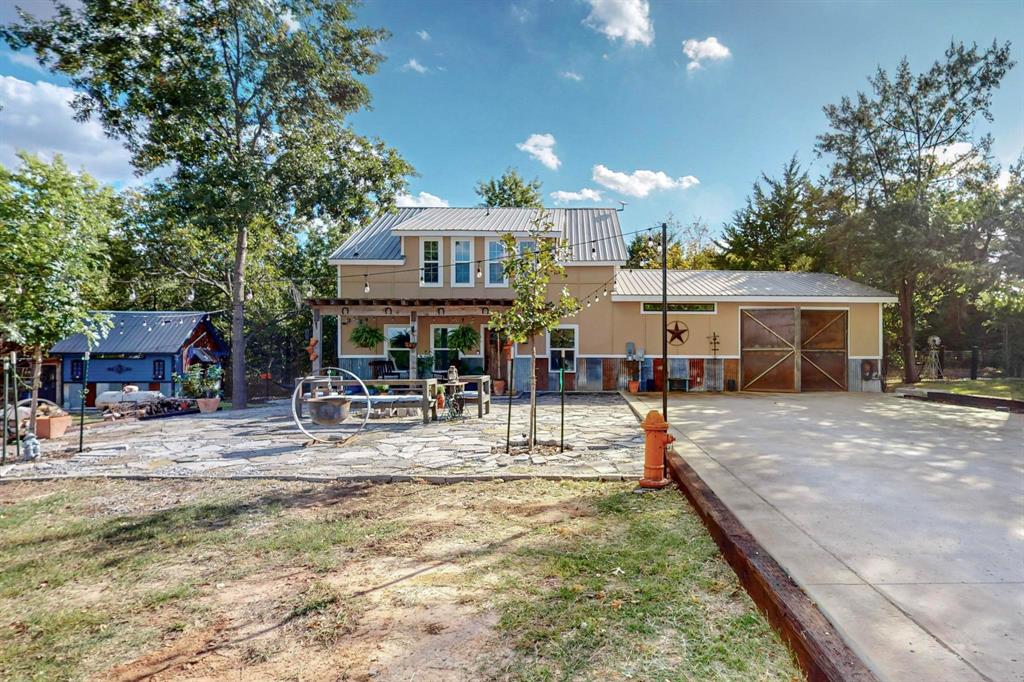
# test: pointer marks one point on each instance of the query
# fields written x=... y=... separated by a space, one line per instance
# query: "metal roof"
x=742 y=284
x=593 y=233
x=375 y=241
x=138 y=332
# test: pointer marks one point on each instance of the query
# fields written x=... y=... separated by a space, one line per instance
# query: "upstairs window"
x=495 y=264
x=430 y=262
x=462 y=258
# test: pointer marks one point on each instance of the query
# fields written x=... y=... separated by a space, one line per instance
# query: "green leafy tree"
x=54 y=225
x=246 y=100
x=529 y=273
x=892 y=150
x=773 y=230
x=510 y=190
x=689 y=247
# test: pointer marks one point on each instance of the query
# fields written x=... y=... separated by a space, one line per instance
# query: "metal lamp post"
x=81 y=407
x=664 y=321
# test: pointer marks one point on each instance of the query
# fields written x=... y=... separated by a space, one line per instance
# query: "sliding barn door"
x=768 y=349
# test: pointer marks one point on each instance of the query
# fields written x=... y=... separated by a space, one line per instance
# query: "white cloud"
x=520 y=13
x=640 y=183
x=585 y=194
x=707 y=50
x=26 y=59
x=571 y=76
x=541 y=146
x=953 y=153
x=413 y=65
x=626 y=19
x=37 y=117
x=423 y=35
x=421 y=200
x=291 y=24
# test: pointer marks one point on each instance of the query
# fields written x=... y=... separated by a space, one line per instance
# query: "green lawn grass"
x=584 y=581
x=993 y=388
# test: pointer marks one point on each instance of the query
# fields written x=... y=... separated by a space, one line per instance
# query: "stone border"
x=434 y=479
x=821 y=652
x=979 y=401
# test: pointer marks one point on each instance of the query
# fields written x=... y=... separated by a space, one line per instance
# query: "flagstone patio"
x=605 y=439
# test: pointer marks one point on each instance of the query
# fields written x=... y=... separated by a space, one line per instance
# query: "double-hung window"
x=430 y=262
x=562 y=343
x=462 y=263
x=159 y=370
x=495 y=264
x=527 y=245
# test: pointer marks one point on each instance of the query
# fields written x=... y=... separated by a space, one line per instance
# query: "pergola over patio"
x=414 y=309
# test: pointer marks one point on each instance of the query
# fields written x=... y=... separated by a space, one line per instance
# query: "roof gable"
x=139 y=332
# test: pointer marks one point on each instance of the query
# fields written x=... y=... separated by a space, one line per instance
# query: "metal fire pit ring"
x=313 y=380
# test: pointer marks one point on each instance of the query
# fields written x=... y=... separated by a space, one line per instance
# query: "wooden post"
x=797 y=342
x=318 y=337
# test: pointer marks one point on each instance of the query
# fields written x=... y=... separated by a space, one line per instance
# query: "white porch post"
x=414 y=351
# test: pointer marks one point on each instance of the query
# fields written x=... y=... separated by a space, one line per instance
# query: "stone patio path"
x=606 y=442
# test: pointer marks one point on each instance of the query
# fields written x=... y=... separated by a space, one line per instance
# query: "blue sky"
x=604 y=98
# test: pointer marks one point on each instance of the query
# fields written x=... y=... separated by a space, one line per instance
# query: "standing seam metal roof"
x=138 y=332
x=598 y=227
x=740 y=283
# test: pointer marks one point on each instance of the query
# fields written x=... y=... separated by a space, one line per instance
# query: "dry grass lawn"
x=261 y=580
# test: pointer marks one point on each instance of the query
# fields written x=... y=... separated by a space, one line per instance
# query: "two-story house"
x=420 y=272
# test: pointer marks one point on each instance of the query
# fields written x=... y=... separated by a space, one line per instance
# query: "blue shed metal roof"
x=593 y=233
x=138 y=332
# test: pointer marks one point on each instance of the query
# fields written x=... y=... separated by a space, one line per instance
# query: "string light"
x=605 y=292
x=191 y=294
x=479 y=273
x=366 y=284
x=132 y=296
x=18 y=290
x=596 y=299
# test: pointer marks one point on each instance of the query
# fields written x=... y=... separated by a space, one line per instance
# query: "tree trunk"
x=533 y=393
x=906 y=303
x=238 y=387
x=37 y=373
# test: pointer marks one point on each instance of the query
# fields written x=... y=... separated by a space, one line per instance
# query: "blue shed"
x=142 y=348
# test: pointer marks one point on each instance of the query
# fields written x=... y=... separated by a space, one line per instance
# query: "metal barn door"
x=768 y=349
x=823 y=350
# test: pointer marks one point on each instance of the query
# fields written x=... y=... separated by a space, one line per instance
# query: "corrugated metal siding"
x=726 y=283
x=138 y=332
x=594 y=235
x=375 y=241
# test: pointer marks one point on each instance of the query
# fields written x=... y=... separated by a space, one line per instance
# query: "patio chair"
x=384 y=369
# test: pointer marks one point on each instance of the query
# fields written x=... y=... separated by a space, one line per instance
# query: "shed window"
x=559 y=340
x=77 y=370
x=679 y=307
x=159 y=371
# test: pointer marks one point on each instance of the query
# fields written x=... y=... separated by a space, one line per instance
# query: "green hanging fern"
x=365 y=336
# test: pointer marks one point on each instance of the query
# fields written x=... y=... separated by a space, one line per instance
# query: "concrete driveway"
x=903 y=520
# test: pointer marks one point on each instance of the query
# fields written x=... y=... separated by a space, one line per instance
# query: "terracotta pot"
x=499 y=386
x=208 y=405
x=52 y=427
x=634 y=386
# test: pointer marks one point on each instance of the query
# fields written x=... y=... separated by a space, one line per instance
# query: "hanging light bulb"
x=596 y=299
x=191 y=294
x=132 y=296
x=593 y=250
x=605 y=292
x=18 y=290
x=366 y=284
x=248 y=295
x=479 y=274
x=588 y=304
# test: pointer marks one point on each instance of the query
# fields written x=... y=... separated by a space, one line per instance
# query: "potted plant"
x=203 y=384
x=51 y=422
x=461 y=339
x=424 y=365
x=365 y=336
x=401 y=340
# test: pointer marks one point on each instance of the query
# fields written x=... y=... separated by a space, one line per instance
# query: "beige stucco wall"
x=606 y=335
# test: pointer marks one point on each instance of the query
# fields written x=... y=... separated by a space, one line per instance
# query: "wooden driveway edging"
x=820 y=651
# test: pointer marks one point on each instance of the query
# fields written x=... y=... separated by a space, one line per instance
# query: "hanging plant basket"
x=365 y=336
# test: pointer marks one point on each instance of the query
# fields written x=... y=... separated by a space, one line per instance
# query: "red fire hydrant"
x=657 y=440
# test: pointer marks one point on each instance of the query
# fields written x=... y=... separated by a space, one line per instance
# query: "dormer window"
x=430 y=262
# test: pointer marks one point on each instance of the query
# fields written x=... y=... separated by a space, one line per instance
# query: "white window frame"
x=455 y=242
x=440 y=263
x=487 y=252
x=575 y=349
x=680 y=312
x=389 y=331
x=480 y=350
x=521 y=241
